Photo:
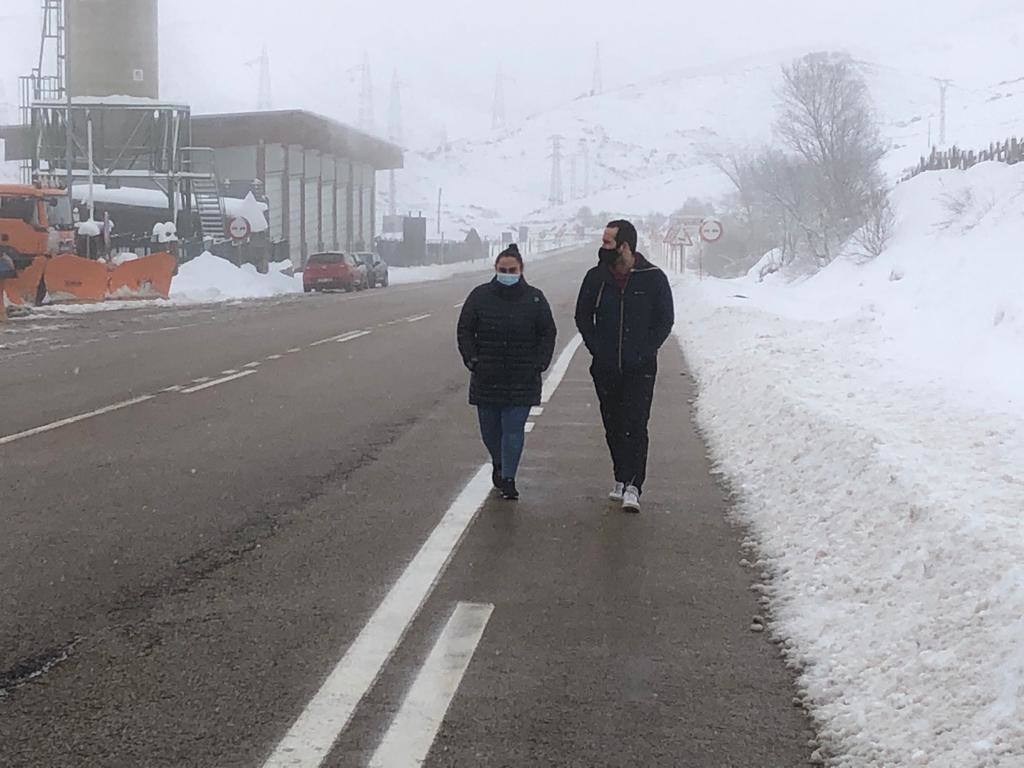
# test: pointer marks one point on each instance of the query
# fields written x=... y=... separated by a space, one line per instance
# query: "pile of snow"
x=210 y=278
x=434 y=272
x=871 y=420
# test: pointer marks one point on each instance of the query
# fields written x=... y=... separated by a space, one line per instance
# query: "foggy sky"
x=447 y=51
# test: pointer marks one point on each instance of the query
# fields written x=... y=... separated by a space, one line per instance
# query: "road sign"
x=239 y=229
x=711 y=230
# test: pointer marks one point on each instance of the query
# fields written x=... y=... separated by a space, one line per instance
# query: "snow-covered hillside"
x=871 y=420
x=648 y=143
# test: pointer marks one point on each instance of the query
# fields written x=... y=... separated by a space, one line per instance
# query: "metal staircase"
x=208 y=203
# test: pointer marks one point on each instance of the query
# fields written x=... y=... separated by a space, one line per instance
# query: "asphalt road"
x=258 y=535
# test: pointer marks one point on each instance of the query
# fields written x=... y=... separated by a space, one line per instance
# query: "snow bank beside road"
x=210 y=278
x=874 y=429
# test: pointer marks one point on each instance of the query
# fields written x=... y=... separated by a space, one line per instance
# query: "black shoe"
x=508 y=490
x=496 y=477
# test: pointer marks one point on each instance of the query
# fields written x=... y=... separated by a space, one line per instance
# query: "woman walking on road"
x=506 y=338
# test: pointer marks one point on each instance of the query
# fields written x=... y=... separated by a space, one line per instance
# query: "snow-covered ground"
x=871 y=421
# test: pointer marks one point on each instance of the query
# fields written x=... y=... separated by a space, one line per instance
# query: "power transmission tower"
x=556 y=197
x=943 y=87
x=598 y=84
x=264 y=98
x=584 y=153
x=395 y=137
x=366 y=121
x=498 y=115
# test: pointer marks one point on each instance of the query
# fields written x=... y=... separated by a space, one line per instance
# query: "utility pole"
x=943 y=87
x=498 y=114
x=556 y=197
x=598 y=83
x=366 y=97
x=572 y=178
x=395 y=137
x=439 y=190
x=584 y=152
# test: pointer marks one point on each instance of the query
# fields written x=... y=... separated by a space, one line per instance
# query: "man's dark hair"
x=511 y=252
x=626 y=233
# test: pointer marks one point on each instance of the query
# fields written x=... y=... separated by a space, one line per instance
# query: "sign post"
x=711 y=231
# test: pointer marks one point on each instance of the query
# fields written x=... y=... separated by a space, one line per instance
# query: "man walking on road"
x=625 y=313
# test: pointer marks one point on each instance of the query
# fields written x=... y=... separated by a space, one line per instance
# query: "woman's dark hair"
x=511 y=252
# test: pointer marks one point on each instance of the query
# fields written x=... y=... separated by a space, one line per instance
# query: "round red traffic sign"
x=239 y=228
x=711 y=230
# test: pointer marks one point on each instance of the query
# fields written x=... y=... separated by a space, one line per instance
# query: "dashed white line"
x=175 y=388
x=229 y=372
x=415 y=727
x=416 y=319
x=353 y=336
x=203 y=380
x=293 y=350
x=73 y=420
x=460 y=305
x=310 y=739
x=274 y=357
x=537 y=411
x=254 y=364
x=217 y=382
x=529 y=427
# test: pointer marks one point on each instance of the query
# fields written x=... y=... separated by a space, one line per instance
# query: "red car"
x=333 y=270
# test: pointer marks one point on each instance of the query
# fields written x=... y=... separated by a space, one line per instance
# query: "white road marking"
x=293 y=350
x=536 y=411
x=255 y=364
x=217 y=382
x=354 y=336
x=201 y=381
x=559 y=369
x=529 y=427
x=460 y=305
x=175 y=388
x=73 y=420
x=229 y=372
x=310 y=739
x=415 y=727
x=274 y=357
x=416 y=319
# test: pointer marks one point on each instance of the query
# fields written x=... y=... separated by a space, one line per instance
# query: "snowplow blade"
x=72 y=278
x=22 y=289
x=145 y=278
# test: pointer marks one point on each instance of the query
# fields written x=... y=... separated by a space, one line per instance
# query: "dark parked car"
x=335 y=270
x=376 y=269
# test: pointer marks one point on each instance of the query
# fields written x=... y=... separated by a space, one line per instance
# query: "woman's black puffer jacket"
x=506 y=337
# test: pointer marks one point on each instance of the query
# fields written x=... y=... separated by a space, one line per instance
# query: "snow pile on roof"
x=872 y=420
x=210 y=278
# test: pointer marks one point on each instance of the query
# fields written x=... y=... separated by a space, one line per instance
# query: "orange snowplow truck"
x=37 y=232
x=34 y=223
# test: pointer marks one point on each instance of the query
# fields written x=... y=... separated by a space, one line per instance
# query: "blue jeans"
x=503 y=431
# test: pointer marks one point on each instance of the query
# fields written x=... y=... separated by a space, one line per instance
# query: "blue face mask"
x=508 y=279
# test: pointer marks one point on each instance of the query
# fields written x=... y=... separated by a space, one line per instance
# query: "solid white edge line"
x=559 y=369
x=217 y=382
x=73 y=420
x=311 y=737
x=414 y=729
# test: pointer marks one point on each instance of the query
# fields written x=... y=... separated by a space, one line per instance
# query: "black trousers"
x=626 y=398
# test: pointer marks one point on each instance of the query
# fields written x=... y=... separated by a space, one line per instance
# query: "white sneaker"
x=617 y=491
x=631 y=499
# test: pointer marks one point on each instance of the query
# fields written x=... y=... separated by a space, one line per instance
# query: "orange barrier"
x=145 y=278
x=72 y=278
x=22 y=289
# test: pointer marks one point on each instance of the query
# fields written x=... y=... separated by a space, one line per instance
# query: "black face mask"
x=608 y=256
